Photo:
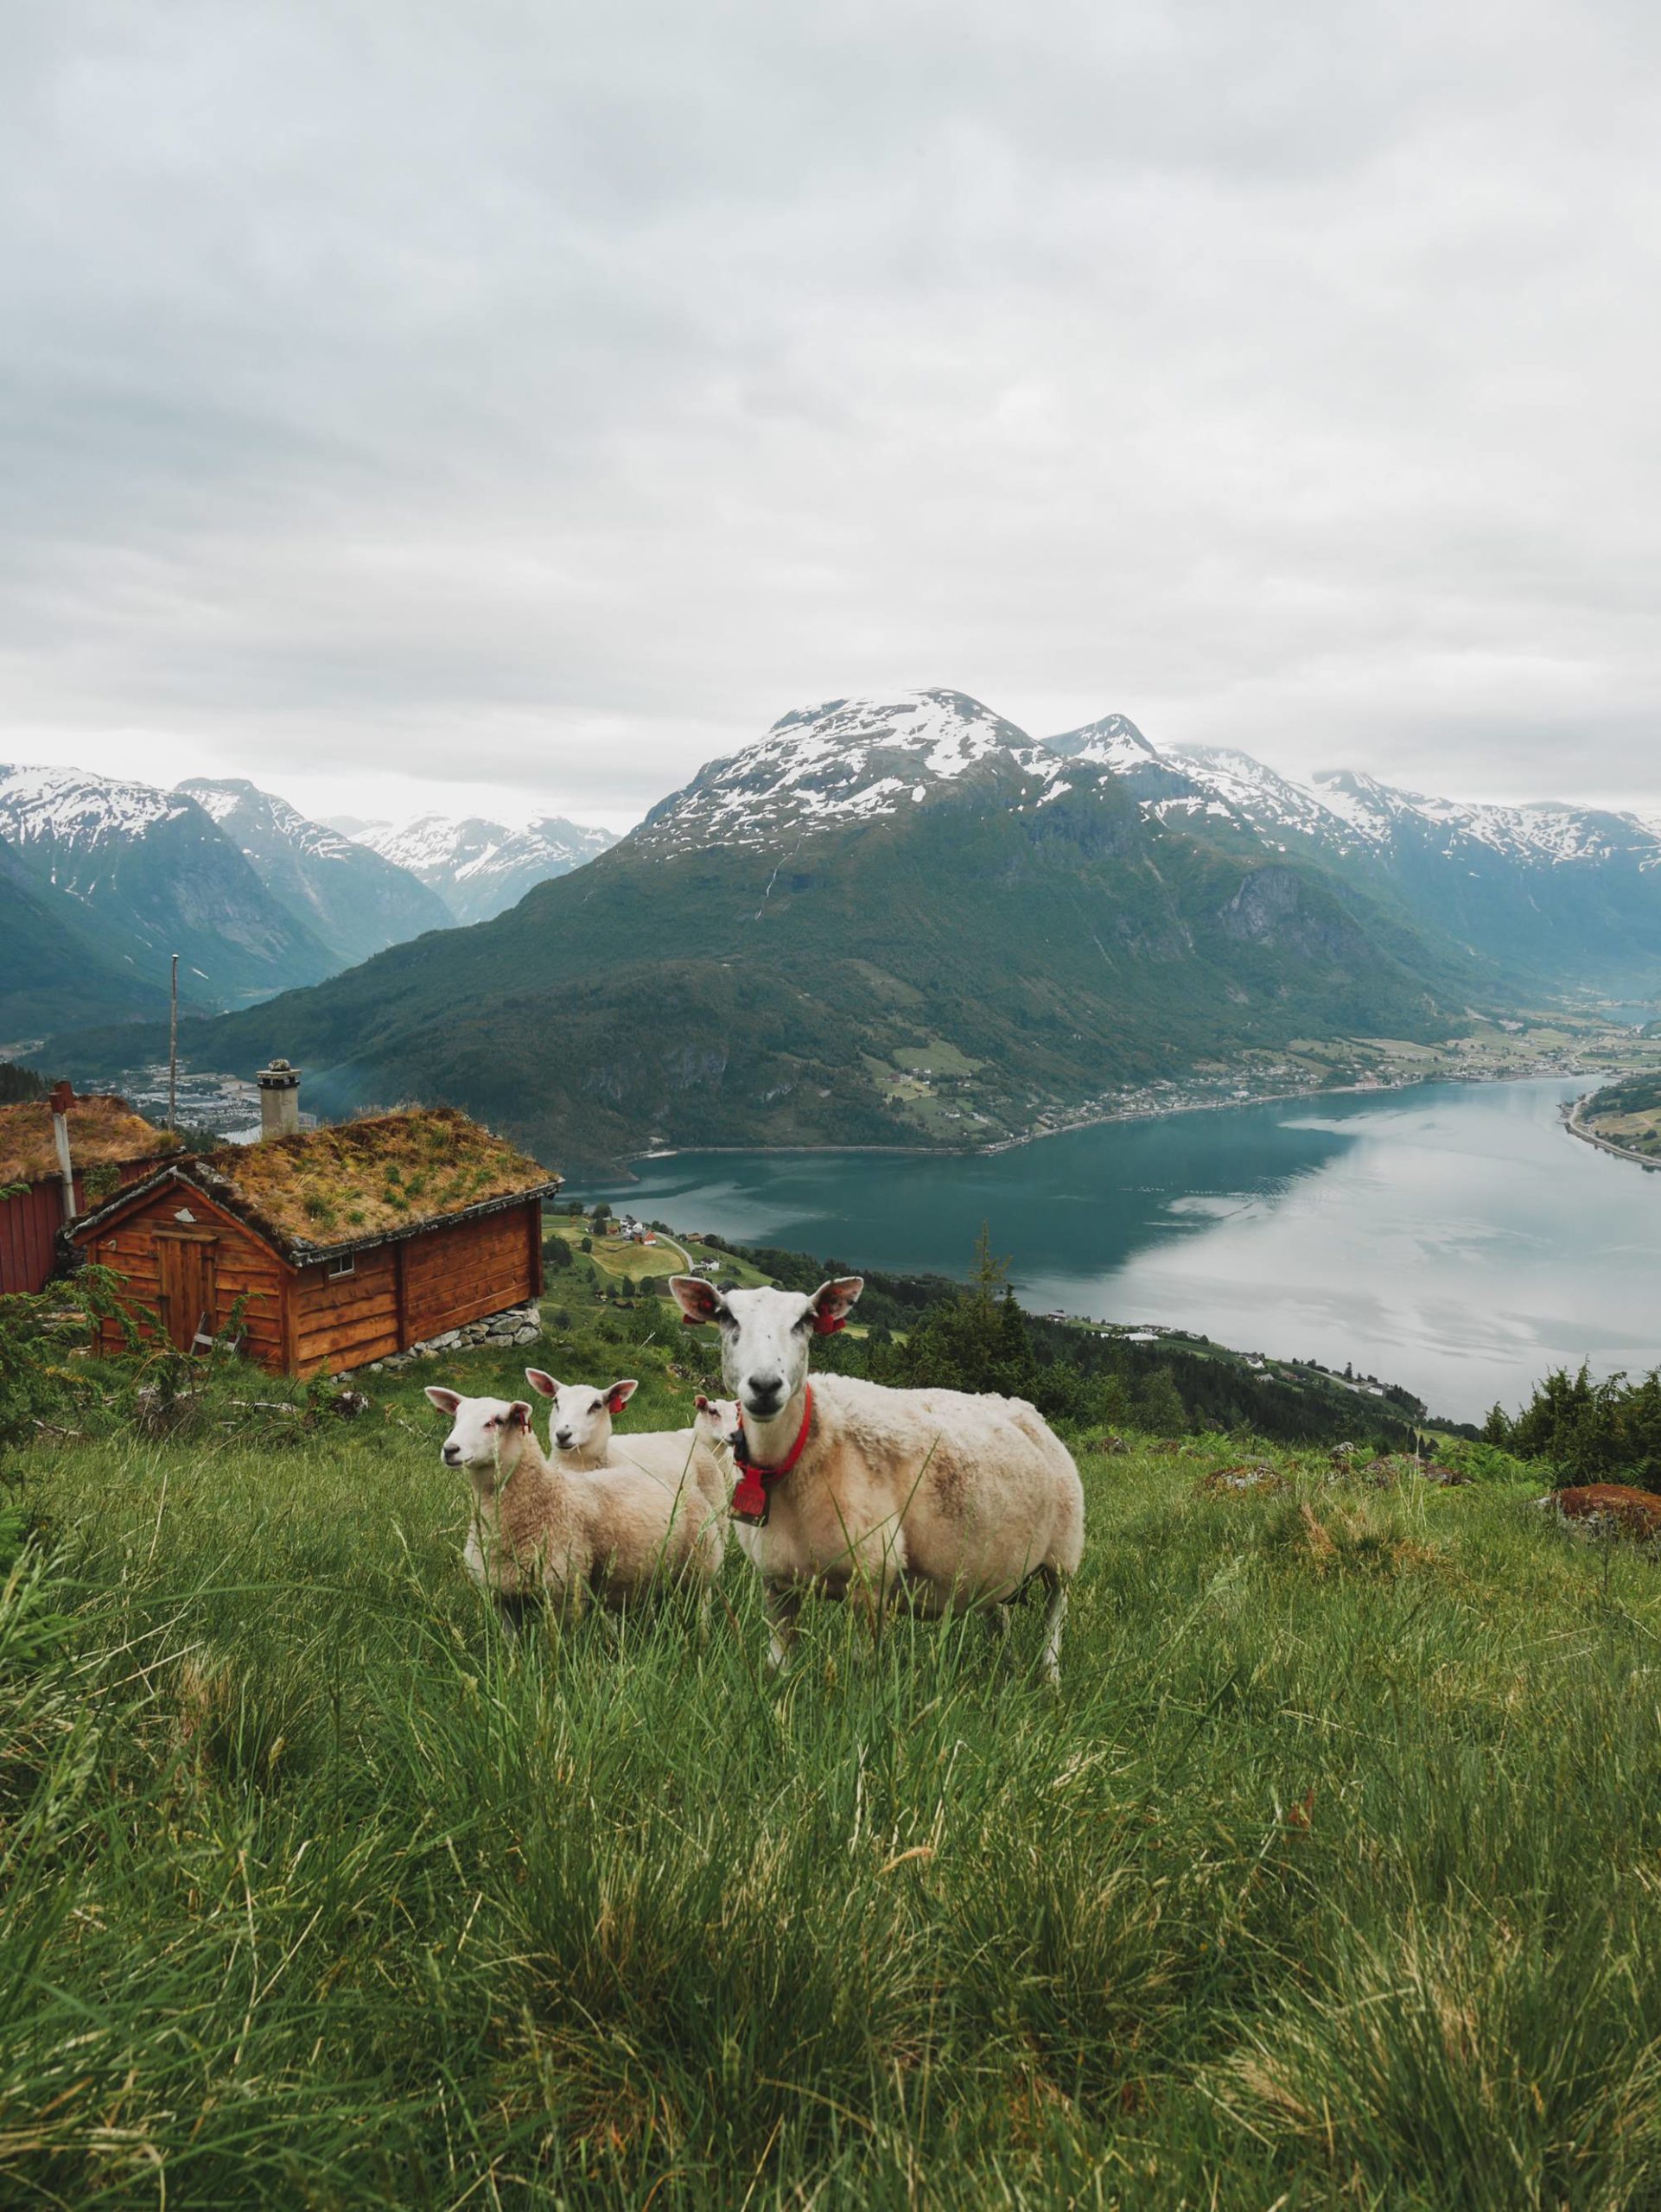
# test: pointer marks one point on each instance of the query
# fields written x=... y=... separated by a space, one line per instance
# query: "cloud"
x=540 y=400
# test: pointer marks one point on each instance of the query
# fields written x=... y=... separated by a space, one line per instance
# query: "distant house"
x=342 y=1245
x=109 y=1146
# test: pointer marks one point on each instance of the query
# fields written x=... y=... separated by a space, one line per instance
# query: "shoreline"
x=1576 y=1128
x=1099 y=1120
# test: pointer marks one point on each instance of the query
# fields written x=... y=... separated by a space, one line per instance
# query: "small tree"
x=1156 y=1404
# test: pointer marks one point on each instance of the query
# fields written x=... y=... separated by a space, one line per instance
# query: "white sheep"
x=565 y=1533
x=859 y=1490
x=580 y=1436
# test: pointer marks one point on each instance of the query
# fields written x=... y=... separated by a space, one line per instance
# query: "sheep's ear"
x=832 y=1302
x=698 y=1301
x=517 y=1415
x=620 y=1394
x=446 y=1401
x=704 y=1405
x=544 y=1383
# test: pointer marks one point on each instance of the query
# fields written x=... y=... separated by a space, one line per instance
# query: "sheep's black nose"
x=452 y=1455
x=764 y=1392
x=563 y=1438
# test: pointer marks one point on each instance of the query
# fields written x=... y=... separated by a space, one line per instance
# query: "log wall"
x=245 y=1265
x=305 y=1319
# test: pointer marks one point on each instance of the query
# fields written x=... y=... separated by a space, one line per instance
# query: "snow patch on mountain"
x=1114 y=742
x=223 y=797
x=480 y=868
x=846 y=760
x=67 y=806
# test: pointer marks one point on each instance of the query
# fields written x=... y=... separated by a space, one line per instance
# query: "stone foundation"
x=517 y=1325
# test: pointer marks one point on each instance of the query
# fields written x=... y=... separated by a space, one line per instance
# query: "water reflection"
x=1452 y=1238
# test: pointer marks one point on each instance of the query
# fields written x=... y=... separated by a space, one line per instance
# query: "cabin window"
x=346 y=1265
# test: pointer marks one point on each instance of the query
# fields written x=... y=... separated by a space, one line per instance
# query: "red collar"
x=750 y=1498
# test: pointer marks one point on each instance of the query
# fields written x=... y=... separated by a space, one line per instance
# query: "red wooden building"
x=341 y=1245
x=109 y=1146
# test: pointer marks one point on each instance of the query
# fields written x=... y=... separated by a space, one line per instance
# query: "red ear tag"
x=827 y=1325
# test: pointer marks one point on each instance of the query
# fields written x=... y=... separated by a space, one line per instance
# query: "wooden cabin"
x=340 y=1246
x=109 y=1147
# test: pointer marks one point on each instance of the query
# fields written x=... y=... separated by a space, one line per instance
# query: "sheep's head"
x=766 y=1335
x=720 y=1430
x=579 y=1427
x=486 y=1435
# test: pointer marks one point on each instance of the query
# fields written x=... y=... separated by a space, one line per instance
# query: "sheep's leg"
x=783 y=1601
x=1055 y=1612
x=997 y=1622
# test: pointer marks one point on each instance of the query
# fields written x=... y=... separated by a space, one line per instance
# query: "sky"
x=513 y=405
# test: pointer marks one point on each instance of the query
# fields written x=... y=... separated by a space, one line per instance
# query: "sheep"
x=566 y=1534
x=858 y=1491
x=580 y=1434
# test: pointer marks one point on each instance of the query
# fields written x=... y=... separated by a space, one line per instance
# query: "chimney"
x=63 y=1098
x=279 y=1101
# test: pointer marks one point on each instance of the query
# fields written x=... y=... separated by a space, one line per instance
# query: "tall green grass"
x=1329 y=1879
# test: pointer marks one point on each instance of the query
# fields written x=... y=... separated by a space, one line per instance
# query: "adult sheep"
x=858 y=1491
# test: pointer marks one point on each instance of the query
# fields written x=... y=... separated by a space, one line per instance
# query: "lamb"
x=570 y=1536
x=580 y=1435
x=859 y=1490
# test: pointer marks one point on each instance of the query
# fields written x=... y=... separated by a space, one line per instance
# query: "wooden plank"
x=352 y=1323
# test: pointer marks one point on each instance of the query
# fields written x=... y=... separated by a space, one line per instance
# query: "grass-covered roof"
x=363 y=1179
x=103 y=1132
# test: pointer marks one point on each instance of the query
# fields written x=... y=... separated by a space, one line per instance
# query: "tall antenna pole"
x=173 y=1051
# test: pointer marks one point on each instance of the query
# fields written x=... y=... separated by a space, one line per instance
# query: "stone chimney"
x=279 y=1101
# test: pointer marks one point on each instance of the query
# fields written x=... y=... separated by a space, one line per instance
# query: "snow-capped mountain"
x=346 y=894
x=1551 y=891
x=479 y=869
x=155 y=874
x=1114 y=742
x=1357 y=814
x=849 y=760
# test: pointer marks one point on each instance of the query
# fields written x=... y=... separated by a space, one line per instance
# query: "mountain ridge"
x=350 y=897
x=477 y=868
x=767 y=955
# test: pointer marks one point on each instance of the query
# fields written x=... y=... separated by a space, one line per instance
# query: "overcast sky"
x=538 y=400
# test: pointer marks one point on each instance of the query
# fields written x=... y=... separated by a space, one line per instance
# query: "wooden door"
x=189 y=1298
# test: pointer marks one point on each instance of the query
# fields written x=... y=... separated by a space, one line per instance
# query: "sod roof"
x=390 y=1174
x=103 y=1132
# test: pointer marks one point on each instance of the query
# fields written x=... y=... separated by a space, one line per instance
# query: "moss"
x=371 y=1174
x=104 y=1132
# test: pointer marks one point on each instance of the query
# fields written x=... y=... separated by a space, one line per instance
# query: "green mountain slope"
x=56 y=967
x=345 y=894
x=152 y=875
x=1038 y=934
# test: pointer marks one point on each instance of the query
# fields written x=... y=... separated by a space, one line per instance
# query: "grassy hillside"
x=1627 y=1114
x=726 y=997
x=1328 y=1878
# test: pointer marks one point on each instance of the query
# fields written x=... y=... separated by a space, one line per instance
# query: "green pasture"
x=1329 y=1879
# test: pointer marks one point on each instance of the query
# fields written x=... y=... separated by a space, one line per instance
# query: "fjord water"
x=1451 y=1237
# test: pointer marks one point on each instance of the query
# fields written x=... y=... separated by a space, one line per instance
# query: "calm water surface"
x=1450 y=1238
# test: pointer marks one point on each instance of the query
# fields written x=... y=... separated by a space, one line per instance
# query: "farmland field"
x=1330 y=1877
